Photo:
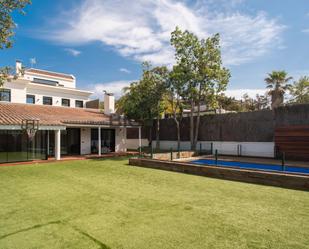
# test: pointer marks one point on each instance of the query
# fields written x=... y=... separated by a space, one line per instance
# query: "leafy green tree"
x=175 y=94
x=201 y=65
x=143 y=100
x=229 y=103
x=300 y=90
x=277 y=82
x=158 y=79
x=7 y=25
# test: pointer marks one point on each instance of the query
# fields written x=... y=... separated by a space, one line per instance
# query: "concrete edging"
x=277 y=179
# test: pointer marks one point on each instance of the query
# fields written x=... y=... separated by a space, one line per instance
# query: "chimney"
x=18 y=67
x=109 y=103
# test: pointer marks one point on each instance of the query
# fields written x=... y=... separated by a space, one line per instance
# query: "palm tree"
x=277 y=82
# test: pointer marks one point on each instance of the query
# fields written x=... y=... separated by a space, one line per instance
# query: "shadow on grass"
x=99 y=243
x=30 y=228
x=102 y=245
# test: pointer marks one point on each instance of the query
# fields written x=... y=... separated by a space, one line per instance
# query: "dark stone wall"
x=132 y=133
x=292 y=115
x=258 y=126
x=249 y=126
x=243 y=127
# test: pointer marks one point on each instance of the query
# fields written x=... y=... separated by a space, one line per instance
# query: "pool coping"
x=238 y=167
x=277 y=179
x=255 y=160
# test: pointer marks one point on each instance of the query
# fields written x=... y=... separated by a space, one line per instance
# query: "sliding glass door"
x=15 y=146
x=70 y=142
x=107 y=140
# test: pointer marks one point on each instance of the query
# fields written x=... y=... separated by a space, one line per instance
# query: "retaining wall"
x=299 y=182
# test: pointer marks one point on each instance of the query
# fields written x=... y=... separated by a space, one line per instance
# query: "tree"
x=261 y=102
x=158 y=76
x=143 y=100
x=7 y=25
x=277 y=82
x=300 y=90
x=176 y=87
x=201 y=65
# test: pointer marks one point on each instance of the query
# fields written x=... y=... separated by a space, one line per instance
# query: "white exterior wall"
x=57 y=97
x=133 y=144
x=259 y=149
x=19 y=90
x=85 y=143
x=120 y=139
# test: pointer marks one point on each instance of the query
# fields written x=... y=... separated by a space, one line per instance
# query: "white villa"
x=69 y=123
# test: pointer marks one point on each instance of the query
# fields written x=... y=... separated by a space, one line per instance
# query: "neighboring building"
x=204 y=110
x=65 y=125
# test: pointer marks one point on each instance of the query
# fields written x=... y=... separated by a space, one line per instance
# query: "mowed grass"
x=108 y=204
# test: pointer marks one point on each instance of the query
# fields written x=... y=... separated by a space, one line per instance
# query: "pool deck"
x=250 y=160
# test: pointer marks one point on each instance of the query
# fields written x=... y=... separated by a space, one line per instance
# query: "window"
x=5 y=95
x=65 y=102
x=79 y=103
x=47 y=100
x=46 y=82
x=30 y=99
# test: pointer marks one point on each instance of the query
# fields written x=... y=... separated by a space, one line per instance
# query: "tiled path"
x=70 y=158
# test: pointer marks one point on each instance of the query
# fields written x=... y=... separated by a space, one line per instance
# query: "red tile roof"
x=54 y=74
x=13 y=114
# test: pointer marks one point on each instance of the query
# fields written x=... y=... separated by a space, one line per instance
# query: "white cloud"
x=305 y=31
x=238 y=93
x=124 y=70
x=73 y=51
x=115 y=87
x=141 y=29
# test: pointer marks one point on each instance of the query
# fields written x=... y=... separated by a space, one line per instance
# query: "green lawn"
x=108 y=204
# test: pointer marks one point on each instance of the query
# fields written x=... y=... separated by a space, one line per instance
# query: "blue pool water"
x=266 y=167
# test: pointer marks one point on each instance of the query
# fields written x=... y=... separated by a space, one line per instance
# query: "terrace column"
x=57 y=144
x=140 y=139
x=47 y=145
x=99 y=142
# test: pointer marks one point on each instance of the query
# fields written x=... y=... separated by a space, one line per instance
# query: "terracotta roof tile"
x=13 y=114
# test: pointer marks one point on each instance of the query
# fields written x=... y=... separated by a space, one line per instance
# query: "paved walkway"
x=70 y=158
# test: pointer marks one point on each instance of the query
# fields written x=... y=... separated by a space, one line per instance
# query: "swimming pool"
x=257 y=166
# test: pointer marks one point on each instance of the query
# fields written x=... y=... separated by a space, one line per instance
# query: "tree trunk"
x=197 y=125
x=276 y=99
x=178 y=134
x=150 y=136
x=158 y=134
x=192 y=125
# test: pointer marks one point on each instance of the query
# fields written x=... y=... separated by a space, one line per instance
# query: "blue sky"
x=104 y=42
